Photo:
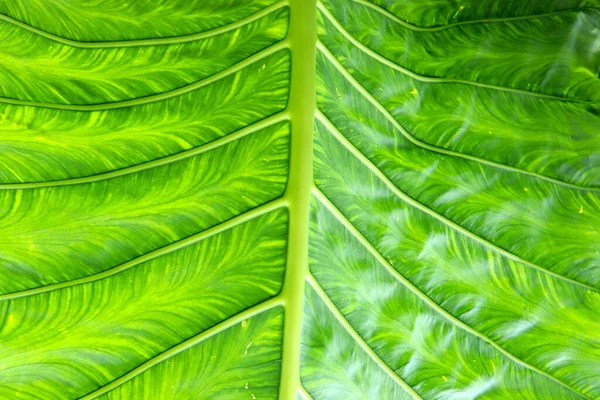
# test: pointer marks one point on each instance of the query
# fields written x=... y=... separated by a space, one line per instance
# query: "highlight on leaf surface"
x=261 y=199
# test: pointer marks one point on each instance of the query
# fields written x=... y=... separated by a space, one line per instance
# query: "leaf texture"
x=342 y=199
x=454 y=223
x=105 y=327
x=114 y=20
x=144 y=223
x=53 y=72
x=249 y=366
x=439 y=13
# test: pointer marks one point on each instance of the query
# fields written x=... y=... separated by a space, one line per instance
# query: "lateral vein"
x=264 y=123
x=222 y=326
x=415 y=290
x=433 y=148
x=437 y=28
x=359 y=45
x=422 y=207
x=357 y=338
x=146 y=42
x=156 y=97
x=304 y=393
x=190 y=240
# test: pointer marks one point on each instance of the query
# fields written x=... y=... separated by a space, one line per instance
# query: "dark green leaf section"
x=454 y=226
x=333 y=365
x=444 y=12
x=547 y=224
x=546 y=322
x=144 y=161
x=238 y=363
x=550 y=137
x=425 y=346
x=125 y=20
x=552 y=55
x=144 y=197
x=49 y=71
x=97 y=226
x=45 y=144
x=68 y=342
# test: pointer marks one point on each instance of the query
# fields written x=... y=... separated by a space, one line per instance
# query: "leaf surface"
x=450 y=233
x=144 y=231
x=355 y=199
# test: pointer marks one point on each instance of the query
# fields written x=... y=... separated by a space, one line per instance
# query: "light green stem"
x=302 y=106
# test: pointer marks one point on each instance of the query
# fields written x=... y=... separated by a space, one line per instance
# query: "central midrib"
x=302 y=38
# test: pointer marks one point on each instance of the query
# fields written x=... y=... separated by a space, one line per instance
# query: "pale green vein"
x=188 y=241
x=157 y=97
x=352 y=80
x=436 y=28
x=304 y=393
x=147 y=42
x=415 y=290
x=222 y=326
x=357 y=338
x=264 y=123
x=429 y=79
x=406 y=198
x=302 y=105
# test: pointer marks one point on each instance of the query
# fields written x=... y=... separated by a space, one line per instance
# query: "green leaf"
x=370 y=199
x=455 y=224
x=55 y=72
x=112 y=20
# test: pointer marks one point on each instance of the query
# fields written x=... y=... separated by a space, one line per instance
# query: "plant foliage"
x=259 y=199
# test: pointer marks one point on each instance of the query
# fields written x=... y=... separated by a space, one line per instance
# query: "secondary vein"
x=406 y=198
x=352 y=80
x=357 y=338
x=437 y=28
x=423 y=78
x=147 y=42
x=264 y=123
x=415 y=290
x=304 y=393
x=222 y=326
x=160 y=96
x=190 y=240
